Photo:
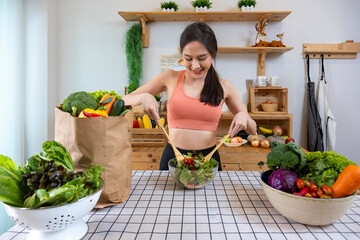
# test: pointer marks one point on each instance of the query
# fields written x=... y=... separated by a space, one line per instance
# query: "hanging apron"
x=314 y=128
x=328 y=123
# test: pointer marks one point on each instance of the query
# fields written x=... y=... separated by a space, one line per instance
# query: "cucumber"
x=124 y=112
x=117 y=108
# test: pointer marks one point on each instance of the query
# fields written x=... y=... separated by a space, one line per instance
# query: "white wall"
x=91 y=40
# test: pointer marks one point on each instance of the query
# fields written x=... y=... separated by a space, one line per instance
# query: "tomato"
x=325 y=196
x=300 y=184
x=319 y=192
x=313 y=188
x=297 y=193
x=326 y=190
x=255 y=143
x=304 y=191
x=308 y=195
x=313 y=194
x=189 y=161
x=307 y=183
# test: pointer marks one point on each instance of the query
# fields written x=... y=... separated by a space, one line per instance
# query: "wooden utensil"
x=178 y=155
x=207 y=157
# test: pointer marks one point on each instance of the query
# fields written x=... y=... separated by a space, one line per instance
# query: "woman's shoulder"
x=171 y=73
x=228 y=87
x=168 y=76
x=226 y=84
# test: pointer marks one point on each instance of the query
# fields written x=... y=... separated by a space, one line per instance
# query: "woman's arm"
x=241 y=120
x=145 y=95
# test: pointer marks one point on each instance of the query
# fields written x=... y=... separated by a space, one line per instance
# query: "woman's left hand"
x=238 y=123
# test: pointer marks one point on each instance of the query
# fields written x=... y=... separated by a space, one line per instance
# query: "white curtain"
x=12 y=87
x=24 y=72
x=24 y=93
x=12 y=79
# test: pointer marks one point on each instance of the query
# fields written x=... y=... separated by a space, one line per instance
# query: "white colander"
x=55 y=223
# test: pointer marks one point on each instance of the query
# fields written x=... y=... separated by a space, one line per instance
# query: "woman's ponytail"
x=212 y=92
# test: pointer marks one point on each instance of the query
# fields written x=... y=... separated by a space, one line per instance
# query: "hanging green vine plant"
x=134 y=53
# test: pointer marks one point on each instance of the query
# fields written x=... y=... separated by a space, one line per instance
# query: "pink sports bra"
x=188 y=112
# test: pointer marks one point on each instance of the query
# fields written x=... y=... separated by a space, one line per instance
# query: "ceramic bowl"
x=57 y=222
x=235 y=144
x=306 y=210
x=269 y=107
x=199 y=178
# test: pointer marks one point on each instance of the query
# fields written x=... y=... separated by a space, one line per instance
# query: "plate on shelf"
x=235 y=144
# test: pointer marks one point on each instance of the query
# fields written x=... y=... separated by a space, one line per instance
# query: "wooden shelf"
x=259 y=116
x=224 y=16
x=220 y=16
x=331 y=51
x=261 y=51
x=254 y=49
x=258 y=50
x=284 y=119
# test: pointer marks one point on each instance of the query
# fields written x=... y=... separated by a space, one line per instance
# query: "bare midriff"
x=192 y=139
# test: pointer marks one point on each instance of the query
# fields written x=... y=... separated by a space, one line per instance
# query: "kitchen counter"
x=233 y=206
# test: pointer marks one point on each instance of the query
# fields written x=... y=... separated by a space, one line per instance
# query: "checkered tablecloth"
x=233 y=206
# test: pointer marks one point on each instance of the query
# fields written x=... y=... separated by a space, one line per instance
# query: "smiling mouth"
x=197 y=71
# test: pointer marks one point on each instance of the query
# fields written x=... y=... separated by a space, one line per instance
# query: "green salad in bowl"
x=193 y=172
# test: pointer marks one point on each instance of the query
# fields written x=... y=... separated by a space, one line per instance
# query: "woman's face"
x=196 y=59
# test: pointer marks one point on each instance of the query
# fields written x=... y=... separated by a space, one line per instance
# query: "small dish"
x=235 y=144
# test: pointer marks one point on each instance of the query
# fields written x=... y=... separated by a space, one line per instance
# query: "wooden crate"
x=268 y=120
x=148 y=137
x=147 y=158
x=259 y=95
x=244 y=158
x=271 y=120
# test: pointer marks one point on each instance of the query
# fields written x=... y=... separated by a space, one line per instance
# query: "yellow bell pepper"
x=88 y=112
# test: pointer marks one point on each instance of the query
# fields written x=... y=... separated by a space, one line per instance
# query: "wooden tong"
x=207 y=157
x=178 y=155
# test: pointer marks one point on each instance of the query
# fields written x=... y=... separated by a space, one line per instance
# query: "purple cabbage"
x=283 y=180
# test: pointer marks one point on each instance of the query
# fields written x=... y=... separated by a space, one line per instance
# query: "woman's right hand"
x=151 y=107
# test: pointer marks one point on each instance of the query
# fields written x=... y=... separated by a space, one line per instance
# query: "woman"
x=195 y=97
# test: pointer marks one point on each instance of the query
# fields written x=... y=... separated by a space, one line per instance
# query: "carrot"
x=347 y=182
x=108 y=104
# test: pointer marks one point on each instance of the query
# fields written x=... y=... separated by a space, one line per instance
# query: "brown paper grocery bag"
x=100 y=140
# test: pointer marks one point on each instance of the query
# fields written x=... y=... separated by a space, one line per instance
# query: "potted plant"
x=169 y=6
x=246 y=5
x=201 y=5
x=134 y=56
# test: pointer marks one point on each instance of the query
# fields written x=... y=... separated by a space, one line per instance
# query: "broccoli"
x=288 y=156
x=78 y=101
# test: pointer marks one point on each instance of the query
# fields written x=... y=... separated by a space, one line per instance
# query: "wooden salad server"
x=207 y=157
x=178 y=155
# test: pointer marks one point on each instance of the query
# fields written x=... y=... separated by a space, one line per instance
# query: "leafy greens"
x=323 y=167
x=46 y=179
x=199 y=175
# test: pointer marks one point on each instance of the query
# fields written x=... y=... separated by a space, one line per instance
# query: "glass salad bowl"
x=55 y=222
x=193 y=178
